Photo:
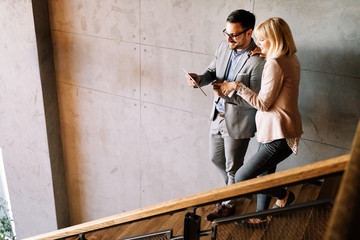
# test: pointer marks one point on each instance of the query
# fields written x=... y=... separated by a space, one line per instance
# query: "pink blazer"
x=278 y=115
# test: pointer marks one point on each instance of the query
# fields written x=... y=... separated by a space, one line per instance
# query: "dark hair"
x=245 y=18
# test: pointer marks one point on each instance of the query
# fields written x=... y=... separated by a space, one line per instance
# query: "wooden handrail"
x=303 y=173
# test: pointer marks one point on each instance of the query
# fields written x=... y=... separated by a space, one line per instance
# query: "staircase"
x=301 y=221
x=306 y=219
x=172 y=222
x=320 y=209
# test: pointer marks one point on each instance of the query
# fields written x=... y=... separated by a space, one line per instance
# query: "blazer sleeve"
x=209 y=75
x=271 y=84
x=252 y=81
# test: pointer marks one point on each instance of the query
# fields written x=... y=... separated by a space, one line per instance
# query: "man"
x=232 y=118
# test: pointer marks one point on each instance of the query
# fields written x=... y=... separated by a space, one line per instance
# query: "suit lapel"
x=241 y=63
x=224 y=61
x=243 y=59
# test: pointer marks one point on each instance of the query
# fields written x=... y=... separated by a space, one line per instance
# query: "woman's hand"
x=256 y=51
x=226 y=87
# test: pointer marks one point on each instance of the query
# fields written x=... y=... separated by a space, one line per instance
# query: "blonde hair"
x=278 y=32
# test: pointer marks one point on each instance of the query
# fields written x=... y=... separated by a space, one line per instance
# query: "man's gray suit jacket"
x=239 y=115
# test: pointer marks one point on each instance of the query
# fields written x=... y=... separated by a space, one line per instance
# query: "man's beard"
x=234 y=46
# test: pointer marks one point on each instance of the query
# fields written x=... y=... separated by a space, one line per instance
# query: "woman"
x=278 y=119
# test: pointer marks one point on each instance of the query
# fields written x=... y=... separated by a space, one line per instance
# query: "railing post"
x=192 y=226
x=82 y=237
x=344 y=221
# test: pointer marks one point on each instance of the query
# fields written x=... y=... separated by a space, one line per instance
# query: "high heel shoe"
x=290 y=197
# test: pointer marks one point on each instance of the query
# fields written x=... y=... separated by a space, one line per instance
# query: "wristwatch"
x=240 y=87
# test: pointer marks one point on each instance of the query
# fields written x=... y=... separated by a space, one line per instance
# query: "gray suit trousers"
x=225 y=152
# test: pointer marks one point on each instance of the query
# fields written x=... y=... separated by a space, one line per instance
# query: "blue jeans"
x=262 y=163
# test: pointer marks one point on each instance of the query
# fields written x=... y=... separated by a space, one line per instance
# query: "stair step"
x=302 y=225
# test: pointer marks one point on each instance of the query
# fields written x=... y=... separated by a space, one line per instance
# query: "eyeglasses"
x=234 y=36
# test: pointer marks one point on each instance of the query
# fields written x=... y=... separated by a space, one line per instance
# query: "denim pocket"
x=275 y=145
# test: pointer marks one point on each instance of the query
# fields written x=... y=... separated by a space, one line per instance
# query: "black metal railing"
x=154 y=220
x=307 y=221
x=163 y=235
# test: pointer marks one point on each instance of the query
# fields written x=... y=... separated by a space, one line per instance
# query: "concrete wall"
x=51 y=109
x=23 y=128
x=328 y=48
x=133 y=133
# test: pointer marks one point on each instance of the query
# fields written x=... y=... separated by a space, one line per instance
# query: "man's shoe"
x=220 y=212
